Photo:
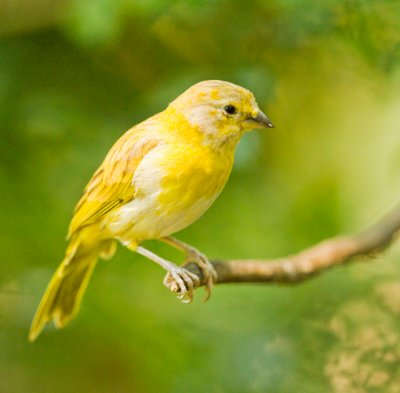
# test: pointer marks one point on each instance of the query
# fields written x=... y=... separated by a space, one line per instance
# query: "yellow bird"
x=157 y=179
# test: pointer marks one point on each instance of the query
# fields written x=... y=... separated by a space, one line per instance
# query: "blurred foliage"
x=75 y=74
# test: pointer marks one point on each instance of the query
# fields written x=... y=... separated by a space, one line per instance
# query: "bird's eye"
x=230 y=109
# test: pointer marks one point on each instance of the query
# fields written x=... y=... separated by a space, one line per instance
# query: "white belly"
x=143 y=219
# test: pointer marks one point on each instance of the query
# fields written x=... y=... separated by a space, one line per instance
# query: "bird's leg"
x=194 y=255
x=185 y=281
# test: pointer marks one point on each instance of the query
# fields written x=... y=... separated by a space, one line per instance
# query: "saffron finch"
x=157 y=179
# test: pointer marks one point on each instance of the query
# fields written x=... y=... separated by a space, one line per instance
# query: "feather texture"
x=112 y=184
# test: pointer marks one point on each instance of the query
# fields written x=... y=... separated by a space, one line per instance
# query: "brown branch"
x=309 y=262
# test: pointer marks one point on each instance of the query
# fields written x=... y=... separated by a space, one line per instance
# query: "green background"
x=75 y=74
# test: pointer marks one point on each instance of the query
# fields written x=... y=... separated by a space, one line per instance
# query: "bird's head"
x=221 y=111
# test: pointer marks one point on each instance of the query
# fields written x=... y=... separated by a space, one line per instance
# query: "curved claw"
x=182 y=281
x=207 y=292
x=212 y=277
x=206 y=267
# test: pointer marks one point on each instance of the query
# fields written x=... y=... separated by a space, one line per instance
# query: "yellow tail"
x=63 y=295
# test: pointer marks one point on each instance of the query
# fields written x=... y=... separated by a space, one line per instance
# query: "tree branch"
x=309 y=262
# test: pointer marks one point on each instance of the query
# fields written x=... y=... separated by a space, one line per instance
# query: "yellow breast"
x=176 y=184
x=192 y=174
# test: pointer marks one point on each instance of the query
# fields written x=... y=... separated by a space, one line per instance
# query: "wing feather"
x=112 y=184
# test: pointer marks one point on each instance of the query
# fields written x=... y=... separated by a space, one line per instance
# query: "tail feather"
x=64 y=293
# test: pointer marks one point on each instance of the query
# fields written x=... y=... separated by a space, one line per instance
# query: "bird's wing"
x=111 y=185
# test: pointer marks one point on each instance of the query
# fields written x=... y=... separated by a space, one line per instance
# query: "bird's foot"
x=206 y=267
x=182 y=281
